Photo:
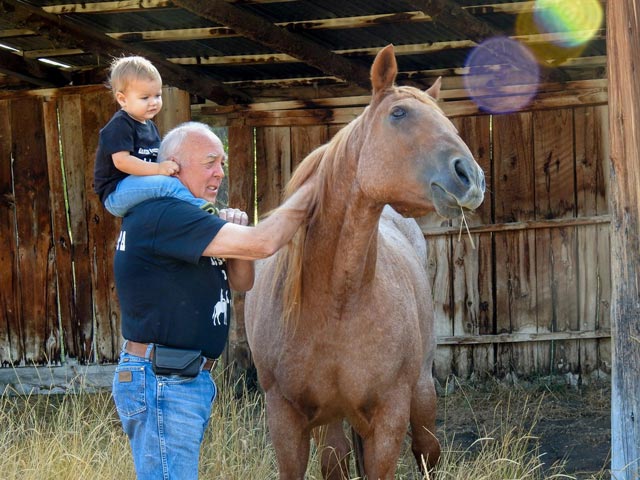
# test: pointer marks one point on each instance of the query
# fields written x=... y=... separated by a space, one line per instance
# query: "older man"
x=174 y=266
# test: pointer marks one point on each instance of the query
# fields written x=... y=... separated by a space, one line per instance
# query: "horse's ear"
x=384 y=70
x=434 y=90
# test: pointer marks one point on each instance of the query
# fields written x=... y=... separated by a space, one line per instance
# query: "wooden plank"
x=623 y=25
x=472 y=291
x=11 y=346
x=62 y=244
x=273 y=165
x=176 y=109
x=306 y=139
x=594 y=277
x=556 y=268
x=513 y=180
x=597 y=220
x=241 y=195
x=31 y=184
x=76 y=160
x=439 y=270
x=103 y=229
x=523 y=337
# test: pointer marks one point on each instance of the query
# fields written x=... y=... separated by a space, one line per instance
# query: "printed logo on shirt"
x=147 y=151
x=221 y=309
x=121 y=243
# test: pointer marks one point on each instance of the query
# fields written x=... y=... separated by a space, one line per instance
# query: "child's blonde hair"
x=126 y=69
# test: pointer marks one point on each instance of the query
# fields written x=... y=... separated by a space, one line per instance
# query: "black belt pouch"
x=176 y=361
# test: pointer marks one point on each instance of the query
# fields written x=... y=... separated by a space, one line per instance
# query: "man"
x=174 y=265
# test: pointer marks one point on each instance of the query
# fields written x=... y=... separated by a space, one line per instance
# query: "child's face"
x=142 y=99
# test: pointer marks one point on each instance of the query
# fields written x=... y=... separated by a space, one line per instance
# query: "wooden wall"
x=533 y=296
x=57 y=296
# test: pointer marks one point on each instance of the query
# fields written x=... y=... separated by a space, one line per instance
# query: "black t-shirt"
x=122 y=134
x=169 y=294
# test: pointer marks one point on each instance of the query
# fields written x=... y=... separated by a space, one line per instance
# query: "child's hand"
x=168 y=168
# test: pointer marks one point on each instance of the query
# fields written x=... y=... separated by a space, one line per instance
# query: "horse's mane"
x=322 y=164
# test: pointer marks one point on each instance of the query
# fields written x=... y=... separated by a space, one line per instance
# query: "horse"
x=340 y=321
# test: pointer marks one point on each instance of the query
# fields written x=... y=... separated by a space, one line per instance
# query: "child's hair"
x=125 y=69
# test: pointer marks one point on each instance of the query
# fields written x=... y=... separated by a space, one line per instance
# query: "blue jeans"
x=135 y=189
x=164 y=417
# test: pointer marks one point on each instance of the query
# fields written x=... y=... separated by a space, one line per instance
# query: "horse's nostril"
x=461 y=169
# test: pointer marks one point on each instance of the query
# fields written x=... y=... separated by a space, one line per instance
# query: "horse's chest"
x=338 y=371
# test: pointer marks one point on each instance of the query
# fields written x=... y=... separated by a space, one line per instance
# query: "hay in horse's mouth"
x=463 y=220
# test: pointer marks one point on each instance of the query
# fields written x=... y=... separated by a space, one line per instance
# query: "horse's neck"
x=346 y=239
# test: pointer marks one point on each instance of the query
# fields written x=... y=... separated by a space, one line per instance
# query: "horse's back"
x=391 y=220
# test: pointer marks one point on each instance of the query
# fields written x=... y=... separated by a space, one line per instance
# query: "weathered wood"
x=176 y=109
x=584 y=95
x=203 y=33
x=623 y=25
x=241 y=195
x=31 y=186
x=273 y=165
x=521 y=337
x=306 y=139
x=11 y=348
x=64 y=33
x=594 y=277
x=525 y=225
x=471 y=267
x=103 y=230
x=555 y=253
x=62 y=269
x=439 y=269
x=516 y=300
x=77 y=161
x=264 y=32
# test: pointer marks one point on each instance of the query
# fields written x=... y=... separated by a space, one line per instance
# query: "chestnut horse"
x=340 y=322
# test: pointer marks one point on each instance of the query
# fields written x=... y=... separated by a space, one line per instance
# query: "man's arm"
x=235 y=241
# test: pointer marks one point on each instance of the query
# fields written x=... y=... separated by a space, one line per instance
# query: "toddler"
x=126 y=170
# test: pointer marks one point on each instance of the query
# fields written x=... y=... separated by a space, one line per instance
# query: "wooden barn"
x=544 y=283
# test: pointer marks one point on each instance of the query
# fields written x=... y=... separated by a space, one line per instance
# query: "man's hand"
x=233 y=215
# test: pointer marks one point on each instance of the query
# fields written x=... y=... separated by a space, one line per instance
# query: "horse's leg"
x=289 y=436
x=424 y=444
x=334 y=451
x=383 y=443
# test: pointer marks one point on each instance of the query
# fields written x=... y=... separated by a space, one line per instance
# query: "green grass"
x=78 y=436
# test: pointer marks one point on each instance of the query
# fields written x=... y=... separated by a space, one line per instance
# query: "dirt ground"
x=569 y=425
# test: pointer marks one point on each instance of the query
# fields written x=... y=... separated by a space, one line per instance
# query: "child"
x=126 y=172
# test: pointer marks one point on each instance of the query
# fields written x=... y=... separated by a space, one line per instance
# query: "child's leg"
x=134 y=189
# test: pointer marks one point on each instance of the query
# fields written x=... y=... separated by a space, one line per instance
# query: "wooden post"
x=623 y=38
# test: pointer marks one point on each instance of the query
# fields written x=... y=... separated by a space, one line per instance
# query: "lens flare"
x=503 y=75
x=574 y=21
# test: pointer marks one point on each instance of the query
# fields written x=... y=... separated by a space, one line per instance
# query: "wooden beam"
x=450 y=15
x=31 y=71
x=321 y=24
x=129 y=5
x=264 y=32
x=519 y=337
x=67 y=34
x=623 y=25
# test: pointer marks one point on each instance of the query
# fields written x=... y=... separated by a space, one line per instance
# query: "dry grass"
x=78 y=436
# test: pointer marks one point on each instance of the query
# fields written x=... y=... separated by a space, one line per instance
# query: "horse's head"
x=415 y=159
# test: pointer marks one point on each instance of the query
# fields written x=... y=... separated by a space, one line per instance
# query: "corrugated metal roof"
x=304 y=40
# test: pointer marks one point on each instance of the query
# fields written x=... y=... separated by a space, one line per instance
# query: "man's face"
x=201 y=165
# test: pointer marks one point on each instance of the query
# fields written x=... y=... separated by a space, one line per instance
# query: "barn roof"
x=244 y=51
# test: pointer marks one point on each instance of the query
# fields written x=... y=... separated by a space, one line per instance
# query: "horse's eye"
x=398 y=112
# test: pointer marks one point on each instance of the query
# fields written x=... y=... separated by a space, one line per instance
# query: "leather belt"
x=140 y=350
